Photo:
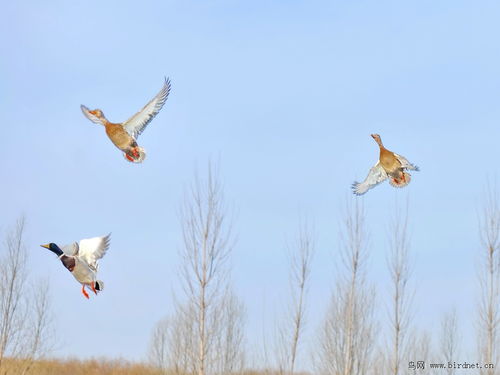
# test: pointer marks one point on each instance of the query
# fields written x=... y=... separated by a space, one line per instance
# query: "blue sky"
x=284 y=95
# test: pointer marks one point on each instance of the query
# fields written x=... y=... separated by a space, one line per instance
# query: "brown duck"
x=389 y=165
x=124 y=135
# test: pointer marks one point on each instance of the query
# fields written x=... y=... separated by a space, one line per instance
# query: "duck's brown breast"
x=389 y=162
x=118 y=135
x=68 y=262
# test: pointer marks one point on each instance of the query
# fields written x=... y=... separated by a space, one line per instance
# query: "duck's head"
x=98 y=113
x=377 y=139
x=95 y=115
x=54 y=248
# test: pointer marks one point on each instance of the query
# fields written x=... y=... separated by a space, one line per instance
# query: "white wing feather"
x=405 y=163
x=93 y=249
x=71 y=249
x=138 y=122
x=376 y=175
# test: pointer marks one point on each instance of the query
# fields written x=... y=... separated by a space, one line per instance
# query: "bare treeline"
x=205 y=334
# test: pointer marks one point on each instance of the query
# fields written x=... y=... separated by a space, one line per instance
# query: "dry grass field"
x=101 y=366
x=81 y=367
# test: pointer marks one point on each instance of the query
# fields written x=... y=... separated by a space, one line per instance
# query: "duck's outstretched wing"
x=93 y=249
x=138 y=122
x=376 y=175
x=405 y=163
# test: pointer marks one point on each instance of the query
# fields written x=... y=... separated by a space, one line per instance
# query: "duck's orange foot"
x=85 y=292
x=92 y=285
x=129 y=158
x=136 y=153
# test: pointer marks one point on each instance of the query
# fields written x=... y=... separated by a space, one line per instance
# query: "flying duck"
x=124 y=135
x=81 y=259
x=389 y=165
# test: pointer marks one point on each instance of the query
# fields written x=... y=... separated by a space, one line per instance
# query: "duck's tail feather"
x=99 y=285
x=401 y=182
x=135 y=155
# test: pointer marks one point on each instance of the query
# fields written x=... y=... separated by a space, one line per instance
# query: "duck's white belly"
x=83 y=273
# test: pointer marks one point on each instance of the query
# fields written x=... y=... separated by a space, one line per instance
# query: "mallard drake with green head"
x=124 y=135
x=389 y=165
x=81 y=259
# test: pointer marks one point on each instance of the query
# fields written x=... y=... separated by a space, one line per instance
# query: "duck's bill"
x=46 y=246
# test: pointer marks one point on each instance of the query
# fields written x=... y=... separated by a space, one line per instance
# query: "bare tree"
x=26 y=322
x=13 y=279
x=489 y=278
x=39 y=338
x=300 y=254
x=207 y=245
x=419 y=352
x=205 y=333
x=173 y=347
x=379 y=365
x=228 y=354
x=402 y=295
x=449 y=338
x=347 y=335
x=158 y=349
x=182 y=340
